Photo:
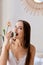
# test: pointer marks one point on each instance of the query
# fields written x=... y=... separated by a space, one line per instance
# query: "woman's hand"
x=6 y=44
x=5 y=49
x=15 y=43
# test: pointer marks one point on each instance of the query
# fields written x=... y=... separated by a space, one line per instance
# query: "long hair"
x=26 y=45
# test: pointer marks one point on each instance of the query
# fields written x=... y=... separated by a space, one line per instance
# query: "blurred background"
x=13 y=10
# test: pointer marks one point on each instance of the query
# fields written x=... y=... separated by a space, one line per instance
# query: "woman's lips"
x=16 y=34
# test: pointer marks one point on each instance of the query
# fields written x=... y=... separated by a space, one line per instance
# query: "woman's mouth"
x=16 y=34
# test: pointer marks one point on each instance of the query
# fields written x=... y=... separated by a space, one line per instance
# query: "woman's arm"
x=3 y=57
x=33 y=51
x=5 y=49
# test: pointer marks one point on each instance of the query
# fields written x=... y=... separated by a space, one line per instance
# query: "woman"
x=16 y=49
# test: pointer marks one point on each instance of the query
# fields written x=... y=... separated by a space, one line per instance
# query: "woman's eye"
x=20 y=28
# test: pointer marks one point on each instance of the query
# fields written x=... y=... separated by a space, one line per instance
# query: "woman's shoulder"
x=32 y=49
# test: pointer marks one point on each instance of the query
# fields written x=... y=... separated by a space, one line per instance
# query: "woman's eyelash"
x=21 y=28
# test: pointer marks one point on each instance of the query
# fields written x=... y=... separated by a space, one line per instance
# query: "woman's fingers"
x=12 y=41
x=8 y=35
x=6 y=43
x=15 y=42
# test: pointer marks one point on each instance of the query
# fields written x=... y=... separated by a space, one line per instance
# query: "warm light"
x=38 y=1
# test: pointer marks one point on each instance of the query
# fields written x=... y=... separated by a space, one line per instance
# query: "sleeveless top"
x=13 y=61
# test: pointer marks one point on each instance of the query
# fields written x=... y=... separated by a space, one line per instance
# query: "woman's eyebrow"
x=18 y=26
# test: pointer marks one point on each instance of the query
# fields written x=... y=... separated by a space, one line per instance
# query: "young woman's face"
x=19 y=30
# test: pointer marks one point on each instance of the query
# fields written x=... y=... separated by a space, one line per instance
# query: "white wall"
x=14 y=10
x=0 y=23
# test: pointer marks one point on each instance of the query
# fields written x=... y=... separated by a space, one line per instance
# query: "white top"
x=13 y=61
